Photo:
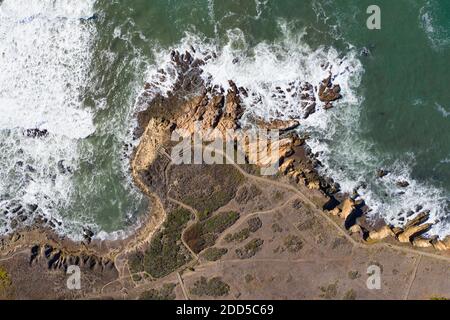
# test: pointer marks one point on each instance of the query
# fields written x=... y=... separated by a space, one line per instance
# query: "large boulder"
x=307 y=99
x=421 y=242
x=442 y=245
x=382 y=233
x=413 y=231
x=282 y=125
x=348 y=206
x=328 y=91
x=419 y=219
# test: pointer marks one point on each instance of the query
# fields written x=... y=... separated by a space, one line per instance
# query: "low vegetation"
x=211 y=187
x=330 y=291
x=350 y=295
x=239 y=236
x=276 y=228
x=166 y=252
x=293 y=243
x=254 y=224
x=250 y=249
x=213 y=287
x=166 y=292
x=214 y=254
x=204 y=234
x=5 y=285
x=353 y=274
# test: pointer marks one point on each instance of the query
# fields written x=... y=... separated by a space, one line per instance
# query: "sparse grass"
x=249 y=278
x=278 y=195
x=166 y=292
x=6 y=289
x=205 y=233
x=254 y=224
x=338 y=242
x=250 y=249
x=330 y=291
x=214 y=254
x=247 y=193
x=438 y=298
x=276 y=228
x=353 y=274
x=239 y=236
x=349 y=295
x=5 y=280
x=213 y=287
x=306 y=225
x=293 y=243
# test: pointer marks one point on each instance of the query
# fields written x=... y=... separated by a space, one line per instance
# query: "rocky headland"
x=195 y=208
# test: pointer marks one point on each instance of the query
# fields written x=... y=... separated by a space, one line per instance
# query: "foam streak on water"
x=44 y=57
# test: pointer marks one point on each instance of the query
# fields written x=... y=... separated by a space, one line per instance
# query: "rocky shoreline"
x=217 y=109
x=196 y=106
x=220 y=110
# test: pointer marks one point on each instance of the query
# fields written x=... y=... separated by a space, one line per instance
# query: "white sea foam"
x=44 y=57
x=435 y=27
x=442 y=110
x=335 y=134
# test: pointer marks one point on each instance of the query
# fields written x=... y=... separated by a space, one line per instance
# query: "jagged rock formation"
x=329 y=92
x=57 y=258
x=307 y=99
x=384 y=232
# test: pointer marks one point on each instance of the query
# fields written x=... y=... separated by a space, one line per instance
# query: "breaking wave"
x=435 y=24
x=45 y=55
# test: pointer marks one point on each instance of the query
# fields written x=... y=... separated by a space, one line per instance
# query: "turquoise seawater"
x=79 y=78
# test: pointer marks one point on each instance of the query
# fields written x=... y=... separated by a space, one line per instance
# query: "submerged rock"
x=402 y=184
x=307 y=99
x=36 y=133
x=382 y=173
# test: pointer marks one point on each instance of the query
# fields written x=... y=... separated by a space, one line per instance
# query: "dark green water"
x=395 y=114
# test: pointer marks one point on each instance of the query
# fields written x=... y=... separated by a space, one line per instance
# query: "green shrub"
x=204 y=234
x=214 y=254
x=214 y=287
x=250 y=249
x=165 y=253
x=293 y=243
x=166 y=292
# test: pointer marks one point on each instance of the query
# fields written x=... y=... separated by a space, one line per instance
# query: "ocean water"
x=76 y=68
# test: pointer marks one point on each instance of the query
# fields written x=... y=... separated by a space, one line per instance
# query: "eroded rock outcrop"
x=413 y=231
x=382 y=233
x=59 y=259
x=329 y=92
x=307 y=99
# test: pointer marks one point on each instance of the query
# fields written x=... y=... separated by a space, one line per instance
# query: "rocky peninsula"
x=227 y=231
